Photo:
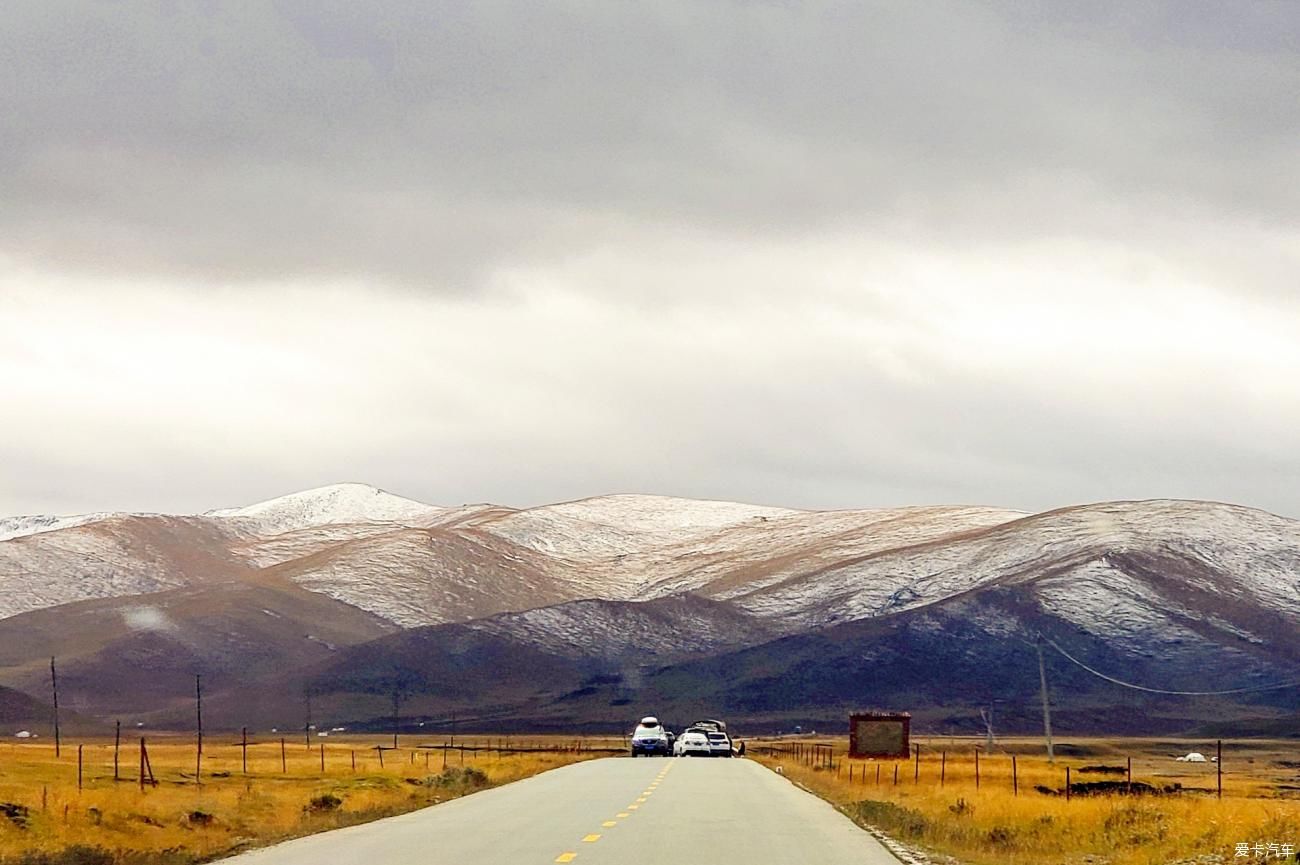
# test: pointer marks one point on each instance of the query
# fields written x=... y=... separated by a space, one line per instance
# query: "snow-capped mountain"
x=338 y=504
x=418 y=564
x=619 y=582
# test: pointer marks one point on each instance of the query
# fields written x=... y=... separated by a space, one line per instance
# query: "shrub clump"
x=323 y=804
x=1136 y=826
x=890 y=818
x=16 y=813
x=200 y=818
x=461 y=779
x=1001 y=836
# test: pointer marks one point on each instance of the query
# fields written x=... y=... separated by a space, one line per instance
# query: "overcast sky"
x=817 y=255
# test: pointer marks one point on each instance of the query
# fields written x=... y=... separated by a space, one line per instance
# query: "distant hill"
x=581 y=613
x=19 y=712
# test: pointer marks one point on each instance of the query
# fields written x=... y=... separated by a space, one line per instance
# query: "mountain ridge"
x=615 y=589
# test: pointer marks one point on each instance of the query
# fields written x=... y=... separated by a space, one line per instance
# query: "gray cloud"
x=810 y=254
x=430 y=143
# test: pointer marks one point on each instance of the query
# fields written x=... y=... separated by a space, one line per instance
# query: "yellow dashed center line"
x=622 y=815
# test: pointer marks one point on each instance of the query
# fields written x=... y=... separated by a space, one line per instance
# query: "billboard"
x=880 y=734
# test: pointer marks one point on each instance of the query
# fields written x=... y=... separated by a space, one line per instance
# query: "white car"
x=719 y=744
x=693 y=743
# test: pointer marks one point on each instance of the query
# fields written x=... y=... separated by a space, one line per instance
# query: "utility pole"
x=396 y=713
x=198 y=712
x=1047 y=706
x=198 y=722
x=54 y=684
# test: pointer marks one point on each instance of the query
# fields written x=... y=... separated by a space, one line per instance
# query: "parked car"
x=694 y=743
x=719 y=744
x=650 y=738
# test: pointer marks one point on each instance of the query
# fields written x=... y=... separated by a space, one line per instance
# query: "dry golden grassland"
x=181 y=821
x=991 y=825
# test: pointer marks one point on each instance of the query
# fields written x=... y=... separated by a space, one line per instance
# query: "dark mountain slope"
x=131 y=657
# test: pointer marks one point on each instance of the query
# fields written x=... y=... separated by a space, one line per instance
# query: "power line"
x=1124 y=684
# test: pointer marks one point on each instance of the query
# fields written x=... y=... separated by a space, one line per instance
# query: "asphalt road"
x=618 y=811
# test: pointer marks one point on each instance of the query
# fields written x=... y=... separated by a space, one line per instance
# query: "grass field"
x=944 y=813
x=46 y=819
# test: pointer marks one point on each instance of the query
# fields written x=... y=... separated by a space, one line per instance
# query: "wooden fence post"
x=1067 y=783
x=145 y=766
x=117 y=750
x=916 y=776
x=243 y=744
x=284 y=763
x=1218 y=764
x=1128 y=778
x=79 y=747
x=943 y=767
x=1015 y=777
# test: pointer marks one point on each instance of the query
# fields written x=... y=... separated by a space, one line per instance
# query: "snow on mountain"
x=415 y=576
x=618 y=586
x=1180 y=567
x=339 y=503
x=640 y=632
x=602 y=528
x=115 y=556
x=1163 y=555
x=16 y=527
x=770 y=549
